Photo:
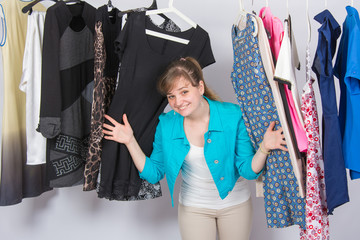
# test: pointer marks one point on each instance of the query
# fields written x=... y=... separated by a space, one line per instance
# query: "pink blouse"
x=274 y=29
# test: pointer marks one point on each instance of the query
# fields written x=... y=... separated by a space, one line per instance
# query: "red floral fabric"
x=317 y=222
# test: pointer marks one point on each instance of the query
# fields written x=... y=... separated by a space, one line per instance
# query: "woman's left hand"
x=273 y=139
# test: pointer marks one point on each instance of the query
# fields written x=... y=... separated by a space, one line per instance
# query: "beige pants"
x=232 y=223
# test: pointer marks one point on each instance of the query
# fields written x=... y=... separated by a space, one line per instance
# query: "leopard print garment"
x=104 y=89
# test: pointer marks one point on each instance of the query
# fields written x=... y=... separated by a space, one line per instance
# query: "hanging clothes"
x=335 y=174
x=31 y=85
x=283 y=204
x=317 y=221
x=105 y=69
x=267 y=61
x=106 y=62
x=348 y=71
x=66 y=90
x=143 y=58
x=274 y=30
x=274 y=26
x=288 y=60
x=18 y=180
x=285 y=73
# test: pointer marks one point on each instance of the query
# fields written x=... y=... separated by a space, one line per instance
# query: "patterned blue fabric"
x=283 y=204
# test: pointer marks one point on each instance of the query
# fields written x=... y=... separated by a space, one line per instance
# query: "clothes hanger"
x=243 y=16
x=28 y=7
x=352 y=3
x=308 y=22
x=325 y=4
x=242 y=13
x=170 y=9
x=110 y=5
x=266 y=5
x=153 y=6
x=3 y=27
x=73 y=1
x=252 y=7
x=287 y=7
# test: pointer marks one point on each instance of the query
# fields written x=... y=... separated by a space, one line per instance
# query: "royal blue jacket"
x=228 y=150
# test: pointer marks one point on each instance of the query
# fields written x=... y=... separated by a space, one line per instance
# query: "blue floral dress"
x=283 y=204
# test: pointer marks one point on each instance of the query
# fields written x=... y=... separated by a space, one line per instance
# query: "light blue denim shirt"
x=228 y=150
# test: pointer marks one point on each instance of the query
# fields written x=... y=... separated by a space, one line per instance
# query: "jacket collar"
x=215 y=124
x=352 y=11
x=87 y=13
x=327 y=16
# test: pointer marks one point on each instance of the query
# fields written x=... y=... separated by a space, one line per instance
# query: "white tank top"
x=198 y=188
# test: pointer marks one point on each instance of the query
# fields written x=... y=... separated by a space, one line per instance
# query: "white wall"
x=73 y=214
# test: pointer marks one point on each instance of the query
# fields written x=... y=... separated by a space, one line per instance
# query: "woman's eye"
x=184 y=92
x=170 y=97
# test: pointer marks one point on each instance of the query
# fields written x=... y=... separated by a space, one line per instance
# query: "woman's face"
x=184 y=98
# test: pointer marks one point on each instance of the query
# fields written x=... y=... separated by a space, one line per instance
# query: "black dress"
x=66 y=90
x=143 y=58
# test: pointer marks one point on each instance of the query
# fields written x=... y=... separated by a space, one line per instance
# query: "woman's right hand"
x=121 y=133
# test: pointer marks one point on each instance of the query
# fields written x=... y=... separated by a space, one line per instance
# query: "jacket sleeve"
x=50 y=106
x=244 y=152
x=153 y=170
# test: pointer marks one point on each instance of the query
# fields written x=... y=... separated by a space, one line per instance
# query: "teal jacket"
x=228 y=150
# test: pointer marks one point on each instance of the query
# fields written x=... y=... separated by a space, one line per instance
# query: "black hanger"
x=28 y=7
x=110 y=5
x=153 y=5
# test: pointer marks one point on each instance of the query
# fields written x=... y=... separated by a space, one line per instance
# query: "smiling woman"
x=189 y=69
x=207 y=140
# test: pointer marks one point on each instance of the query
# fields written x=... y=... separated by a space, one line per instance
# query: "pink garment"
x=317 y=221
x=300 y=134
x=288 y=60
x=274 y=29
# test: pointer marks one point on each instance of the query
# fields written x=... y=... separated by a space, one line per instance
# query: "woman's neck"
x=197 y=124
x=202 y=113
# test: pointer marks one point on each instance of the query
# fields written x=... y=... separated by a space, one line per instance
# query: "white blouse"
x=31 y=85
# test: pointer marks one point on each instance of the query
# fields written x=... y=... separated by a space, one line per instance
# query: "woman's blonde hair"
x=187 y=68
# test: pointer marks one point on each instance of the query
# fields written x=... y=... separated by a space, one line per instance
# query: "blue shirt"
x=334 y=165
x=347 y=69
x=228 y=150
